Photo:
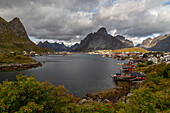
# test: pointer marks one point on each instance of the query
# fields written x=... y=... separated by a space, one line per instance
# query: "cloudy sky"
x=69 y=21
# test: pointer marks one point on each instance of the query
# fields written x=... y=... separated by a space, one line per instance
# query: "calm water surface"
x=79 y=73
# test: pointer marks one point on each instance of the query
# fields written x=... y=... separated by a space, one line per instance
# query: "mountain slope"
x=13 y=37
x=99 y=41
x=128 y=43
x=160 y=43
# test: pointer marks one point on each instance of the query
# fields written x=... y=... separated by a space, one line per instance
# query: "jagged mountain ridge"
x=127 y=42
x=160 y=43
x=13 y=37
x=102 y=40
x=56 y=46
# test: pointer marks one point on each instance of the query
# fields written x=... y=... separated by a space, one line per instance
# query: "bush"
x=29 y=95
x=149 y=62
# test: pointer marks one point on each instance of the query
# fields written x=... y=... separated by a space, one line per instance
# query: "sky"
x=70 y=21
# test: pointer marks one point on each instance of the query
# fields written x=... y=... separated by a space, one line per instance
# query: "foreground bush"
x=29 y=95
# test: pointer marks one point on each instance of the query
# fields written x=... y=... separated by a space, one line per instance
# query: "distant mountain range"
x=56 y=46
x=93 y=41
x=160 y=43
x=13 y=37
x=102 y=40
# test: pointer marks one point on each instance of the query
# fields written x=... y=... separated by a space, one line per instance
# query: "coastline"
x=122 y=91
x=18 y=67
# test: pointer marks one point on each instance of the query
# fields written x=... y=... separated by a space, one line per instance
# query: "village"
x=134 y=60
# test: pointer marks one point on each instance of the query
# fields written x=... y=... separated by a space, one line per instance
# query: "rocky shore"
x=122 y=91
x=17 y=67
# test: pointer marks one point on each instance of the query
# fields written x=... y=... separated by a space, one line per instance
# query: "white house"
x=154 y=59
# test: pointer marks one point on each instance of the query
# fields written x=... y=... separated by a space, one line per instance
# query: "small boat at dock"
x=120 y=64
x=132 y=76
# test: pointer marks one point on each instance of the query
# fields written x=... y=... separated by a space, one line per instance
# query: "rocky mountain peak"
x=120 y=37
x=146 y=43
x=17 y=27
x=102 y=30
x=127 y=42
x=4 y=27
x=99 y=41
x=14 y=37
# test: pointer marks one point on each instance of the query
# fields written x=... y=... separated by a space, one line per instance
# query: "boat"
x=120 y=64
x=120 y=77
x=132 y=76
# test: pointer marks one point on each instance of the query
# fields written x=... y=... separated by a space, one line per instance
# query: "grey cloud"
x=64 y=19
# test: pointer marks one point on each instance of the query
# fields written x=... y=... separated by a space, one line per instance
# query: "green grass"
x=134 y=49
x=13 y=58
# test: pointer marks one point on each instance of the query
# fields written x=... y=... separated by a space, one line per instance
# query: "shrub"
x=29 y=95
x=149 y=62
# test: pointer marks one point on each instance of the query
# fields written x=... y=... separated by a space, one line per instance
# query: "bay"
x=79 y=73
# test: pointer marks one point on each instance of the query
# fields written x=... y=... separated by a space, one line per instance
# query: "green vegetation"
x=134 y=49
x=153 y=96
x=29 y=95
x=13 y=58
x=10 y=43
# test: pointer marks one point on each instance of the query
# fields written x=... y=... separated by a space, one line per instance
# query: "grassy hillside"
x=137 y=49
x=9 y=42
x=13 y=58
x=13 y=37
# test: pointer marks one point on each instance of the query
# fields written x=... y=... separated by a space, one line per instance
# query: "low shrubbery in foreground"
x=29 y=95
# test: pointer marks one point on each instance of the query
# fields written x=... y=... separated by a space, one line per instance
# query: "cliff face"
x=13 y=37
x=128 y=43
x=100 y=40
x=160 y=43
x=146 y=43
x=17 y=27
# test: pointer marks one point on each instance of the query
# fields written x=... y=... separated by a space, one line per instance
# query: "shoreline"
x=19 y=67
x=122 y=90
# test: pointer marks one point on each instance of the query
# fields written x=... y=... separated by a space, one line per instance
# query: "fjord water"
x=79 y=73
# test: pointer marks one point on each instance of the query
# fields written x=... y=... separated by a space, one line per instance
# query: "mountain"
x=160 y=43
x=100 y=40
x=127 y=42
x=73 y=47
x=146 y=43
x=56 y=46
x=13 y=37
x=137 y=45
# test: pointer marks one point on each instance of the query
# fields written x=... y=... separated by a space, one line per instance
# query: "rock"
x=106 y=100
x=18 y=28
x=90 y=100
x=99 y=100
x=127 y=42
x=82 y=101
x=146 y=43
